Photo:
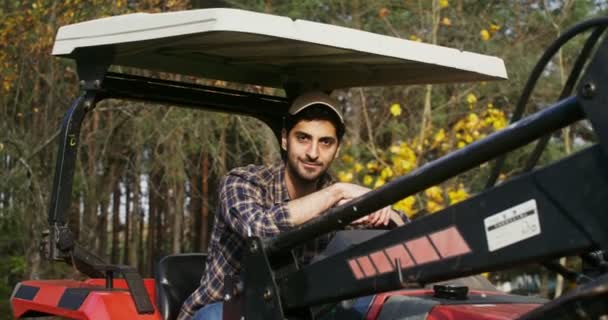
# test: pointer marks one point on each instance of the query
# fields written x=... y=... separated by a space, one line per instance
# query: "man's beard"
x=296 y=172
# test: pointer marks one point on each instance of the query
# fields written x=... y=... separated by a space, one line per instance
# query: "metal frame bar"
x=66 y=157
x=268 y=109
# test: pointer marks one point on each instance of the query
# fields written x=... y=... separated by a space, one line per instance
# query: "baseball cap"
x=315 y=98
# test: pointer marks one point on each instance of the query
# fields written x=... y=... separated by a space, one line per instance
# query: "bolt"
x=87 y=105
x=588 y=90
x=97 y=84
x=267 y=294
x=254 y=247
x=238 y=289
x=227 y=297
x=82 y=83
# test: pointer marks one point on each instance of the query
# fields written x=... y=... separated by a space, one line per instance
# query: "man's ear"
x=284 y=139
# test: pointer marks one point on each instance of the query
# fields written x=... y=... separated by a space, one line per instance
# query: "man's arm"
x=241 y=206
x=315 y=204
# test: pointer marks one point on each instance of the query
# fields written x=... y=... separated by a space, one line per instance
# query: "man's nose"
x=313 y=151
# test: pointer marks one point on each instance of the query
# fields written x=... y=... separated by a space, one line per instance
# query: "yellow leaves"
x=386 y=173
x=484 y=34
x=1 y=146
x=443 y=4
x=395 y=109
x=372 y=166
x=6 y=86
x=402 y=157
x=383 y=12
x=472 y=120
x=432 y=206
x=458 y=194
x=471 y=99
x=415 y=38
x=446 y=21
x=496 y=118
x=435 y=201
x=407 y=205
x=434 y=193
x=439 y=136
x=403 y=166
x=344 y=176
x=358 y=167
x=347 y=159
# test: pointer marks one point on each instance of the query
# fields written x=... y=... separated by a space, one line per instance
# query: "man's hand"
x=374 y=219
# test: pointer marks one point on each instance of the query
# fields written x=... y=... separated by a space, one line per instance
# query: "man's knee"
x=210 y=312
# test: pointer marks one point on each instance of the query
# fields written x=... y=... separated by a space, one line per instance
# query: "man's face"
x=311 y=147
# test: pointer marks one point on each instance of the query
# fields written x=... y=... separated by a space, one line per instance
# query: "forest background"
x=146 y=176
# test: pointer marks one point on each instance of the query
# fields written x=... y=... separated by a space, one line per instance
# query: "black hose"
x=566 y=91
x=533 y=79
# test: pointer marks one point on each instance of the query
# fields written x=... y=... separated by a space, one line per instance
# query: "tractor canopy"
x=267 y=50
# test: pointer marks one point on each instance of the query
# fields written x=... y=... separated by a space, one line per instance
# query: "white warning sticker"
x=512 y=225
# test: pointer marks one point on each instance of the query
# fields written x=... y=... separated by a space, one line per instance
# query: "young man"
x=266 y=200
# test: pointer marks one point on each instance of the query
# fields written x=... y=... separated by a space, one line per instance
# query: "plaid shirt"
x=251 y=198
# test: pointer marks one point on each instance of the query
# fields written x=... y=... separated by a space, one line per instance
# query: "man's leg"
x=210 y=312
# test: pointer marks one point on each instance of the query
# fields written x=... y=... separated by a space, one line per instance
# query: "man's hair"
x=316 y=112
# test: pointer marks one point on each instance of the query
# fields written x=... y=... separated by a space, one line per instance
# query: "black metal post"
x=66 y=157
x=516 y=135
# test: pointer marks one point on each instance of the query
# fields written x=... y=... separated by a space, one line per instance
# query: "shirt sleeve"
x=243 y=208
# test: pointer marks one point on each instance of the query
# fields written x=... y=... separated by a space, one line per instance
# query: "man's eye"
x=302 y=137
x=327 y=142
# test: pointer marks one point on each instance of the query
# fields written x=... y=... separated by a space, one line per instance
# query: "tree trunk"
x=161 y=209
x=91 y=218
x=102 y=231
x=178 y=214
x=128 y=224
x=205 y=203
x=116 y=194
x=135 y=240
x=195 y=207
x=152 y=220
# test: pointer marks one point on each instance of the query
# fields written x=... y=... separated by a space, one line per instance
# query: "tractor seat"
x=177 y=276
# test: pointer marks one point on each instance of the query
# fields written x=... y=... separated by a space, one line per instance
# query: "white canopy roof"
x=255 y=48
